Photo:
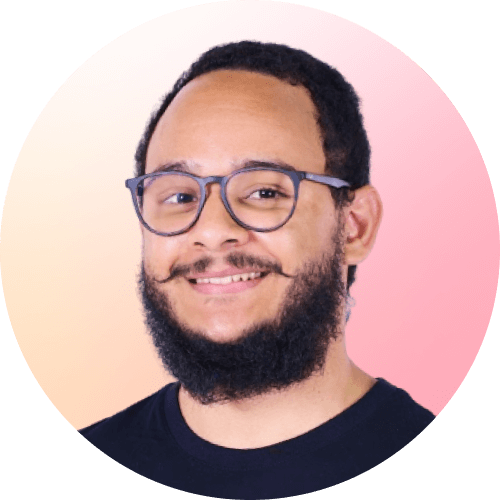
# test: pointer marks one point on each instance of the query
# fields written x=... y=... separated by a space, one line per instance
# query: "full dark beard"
x=270 y=356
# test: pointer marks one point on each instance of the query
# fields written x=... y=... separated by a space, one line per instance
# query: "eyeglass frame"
x=296 y=177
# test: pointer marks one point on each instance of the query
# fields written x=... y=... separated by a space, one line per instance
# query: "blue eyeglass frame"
x=294 y=175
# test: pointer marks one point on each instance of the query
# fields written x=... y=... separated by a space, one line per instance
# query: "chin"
x=221 y=333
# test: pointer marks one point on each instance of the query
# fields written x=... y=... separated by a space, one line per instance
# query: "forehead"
x=226 y=117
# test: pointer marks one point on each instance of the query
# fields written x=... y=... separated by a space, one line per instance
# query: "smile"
x=233 y=283
x=228 y=279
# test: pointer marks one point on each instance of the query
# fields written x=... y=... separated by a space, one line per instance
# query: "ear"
x=363 y=217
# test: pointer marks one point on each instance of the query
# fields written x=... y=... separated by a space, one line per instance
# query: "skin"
x=215 y=124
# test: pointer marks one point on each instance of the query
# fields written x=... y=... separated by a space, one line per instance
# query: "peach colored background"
x=71 y=245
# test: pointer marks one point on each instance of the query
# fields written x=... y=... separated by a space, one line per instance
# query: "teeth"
x=229 y=279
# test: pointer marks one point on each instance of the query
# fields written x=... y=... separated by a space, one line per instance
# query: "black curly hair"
x=345 y=143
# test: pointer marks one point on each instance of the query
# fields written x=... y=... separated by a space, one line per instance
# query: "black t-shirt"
x=152 y=438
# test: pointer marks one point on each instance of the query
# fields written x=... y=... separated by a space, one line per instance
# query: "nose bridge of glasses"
x=207 y=182
x=213 y=179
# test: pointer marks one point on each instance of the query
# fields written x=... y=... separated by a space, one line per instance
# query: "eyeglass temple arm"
x=324 y=179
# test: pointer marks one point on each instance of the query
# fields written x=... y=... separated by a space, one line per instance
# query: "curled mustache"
x=238 y=260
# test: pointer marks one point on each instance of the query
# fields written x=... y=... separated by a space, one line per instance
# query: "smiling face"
x=218 y=123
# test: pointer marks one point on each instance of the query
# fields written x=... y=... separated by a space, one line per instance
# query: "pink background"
x=71 y=245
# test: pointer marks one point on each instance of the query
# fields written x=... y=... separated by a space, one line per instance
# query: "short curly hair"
x=345 y=143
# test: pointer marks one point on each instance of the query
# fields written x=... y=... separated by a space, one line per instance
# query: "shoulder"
x=400 y=404
x=141 y=420
x=396 y=416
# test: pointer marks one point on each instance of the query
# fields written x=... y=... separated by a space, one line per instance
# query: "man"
x=253 y=194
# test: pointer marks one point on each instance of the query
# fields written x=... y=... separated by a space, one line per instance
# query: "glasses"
x=259 y=199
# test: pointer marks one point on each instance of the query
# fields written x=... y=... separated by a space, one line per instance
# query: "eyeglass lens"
x=261 y=199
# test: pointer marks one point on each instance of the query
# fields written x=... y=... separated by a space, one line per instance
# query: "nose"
x=215 y=229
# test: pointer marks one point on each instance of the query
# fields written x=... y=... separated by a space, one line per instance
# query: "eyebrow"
x=190 y=167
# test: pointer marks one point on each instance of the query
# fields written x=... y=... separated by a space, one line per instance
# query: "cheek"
x=315 y=221
x=157 y=253
x=306 y=236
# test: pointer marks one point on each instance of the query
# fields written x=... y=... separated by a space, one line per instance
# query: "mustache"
x=237 y=260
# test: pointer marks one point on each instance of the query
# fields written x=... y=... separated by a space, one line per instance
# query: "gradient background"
x=424 y=297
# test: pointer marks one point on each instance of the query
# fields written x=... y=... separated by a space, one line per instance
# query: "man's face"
x=215 y=124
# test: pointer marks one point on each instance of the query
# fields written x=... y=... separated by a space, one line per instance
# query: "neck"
x=280 y=415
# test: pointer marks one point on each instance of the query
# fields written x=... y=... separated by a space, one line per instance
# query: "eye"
x=181 y=198
x=265 y=194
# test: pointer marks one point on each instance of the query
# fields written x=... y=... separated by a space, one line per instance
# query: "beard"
x=271 y=355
